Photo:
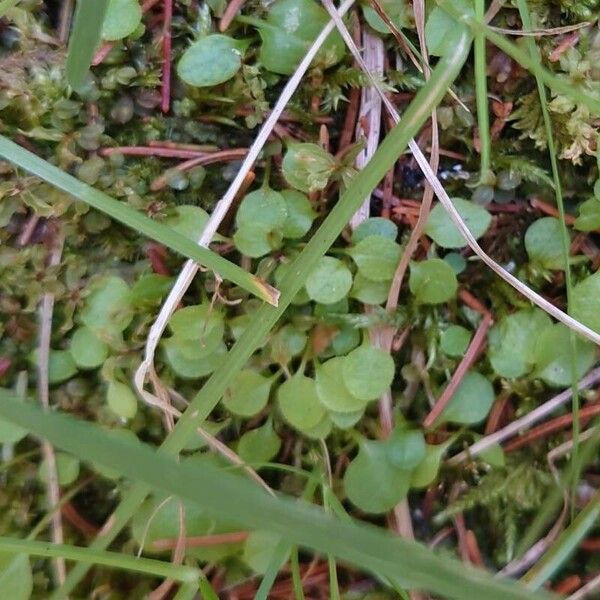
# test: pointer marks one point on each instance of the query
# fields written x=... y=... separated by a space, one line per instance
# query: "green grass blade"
x=483 y=118
x=460 y=10
x=296 y=578
x=533 y=51
x=278 y=559
x=363 y=184
x=87 y=28
x=156 y=568
x=122 y=212
x=220 y=492
x=6 y=5
x=565 y=545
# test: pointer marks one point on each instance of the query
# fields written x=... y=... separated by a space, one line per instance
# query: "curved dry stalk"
x=46 y=310
x=444 y=199
x=524 y=422
x=190 y=268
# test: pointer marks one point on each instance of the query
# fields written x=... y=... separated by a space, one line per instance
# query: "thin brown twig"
x=163 y=152
x=464 y=365
x=231 y=11
x=202 y=541
x=46 y=310
x=165 y=103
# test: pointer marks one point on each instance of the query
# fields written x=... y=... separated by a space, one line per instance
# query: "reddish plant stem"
x=157 y=255
x=568 y=42
x=105 y=49
x=568 y=585
x=496 y=414
x=202 y=541
x=70 y=513
x=232 y=9
x=5 y=364
x=550 y=210
x=165 y=103
x=163 y=152
x=562 y=422
x=473 y=549
x=180 y=146
x=207 y=159
x=464 y=365
x=590 y=545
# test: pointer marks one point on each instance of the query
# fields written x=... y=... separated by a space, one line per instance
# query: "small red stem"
x=166 y=47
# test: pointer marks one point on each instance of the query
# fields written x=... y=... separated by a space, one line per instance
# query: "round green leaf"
x=247 y=394
x=552 y=356
x=543 y=242
x=442 y=32
x=196 y=367
x=188 y=220
x=368 y=372
x=376 y=257
x=321 y=430
x=60 y=366
x=375 y=226
x=329 y=281
x=290 y=29
x=396 y=10
x=210 y=61
x=426 y=471
x=121 y=400
x=405 y=449
x=307 y=167
x=432 y=281
x=444 y=232
x=299 y=402
x=259 y=445
x=372 y=483
x=122 y=19
x=455 y=340
x=368 y=291
x=345 y=420
x=512 y=341
x=585 y=306
x=286 y=343
x=346 y=339
x=332 y=389
x=67 y=469
x=87 y=350
x=264 y=207
x=589 y=214
x=16 y=579
x=255 y=240
x=108 y=311
x=300 y=214
x=202 y=324
x=259 y=549
x=150 y=288
x=471 y=402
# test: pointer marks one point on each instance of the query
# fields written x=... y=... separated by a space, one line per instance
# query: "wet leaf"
x=290 y=29
x=376 y=257
x=375 y=226
x=372 y=483
x=471 y=402
x=455 y=340
x=329 y=281
x=264 y=207
x=247 y=394
x=259 y=445
x=543 y=243
x=300 y=214
x=585 y=306
x=368 y=372
x=121 y=400
x=405 y=448
x=432 y=281
x=87 y=350
x=210 y=61
x=332 y=389
x=512 y=341
x=307 y=167
x=444 y=232
x=16 y=579
x=67 y=469
x=299 y=403
x=552 y=356
x=396 y=10
x=122 y=19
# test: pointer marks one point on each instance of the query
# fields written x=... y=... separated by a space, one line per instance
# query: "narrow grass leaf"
x=298 y=522
x=127 y=215
x=87 y=28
